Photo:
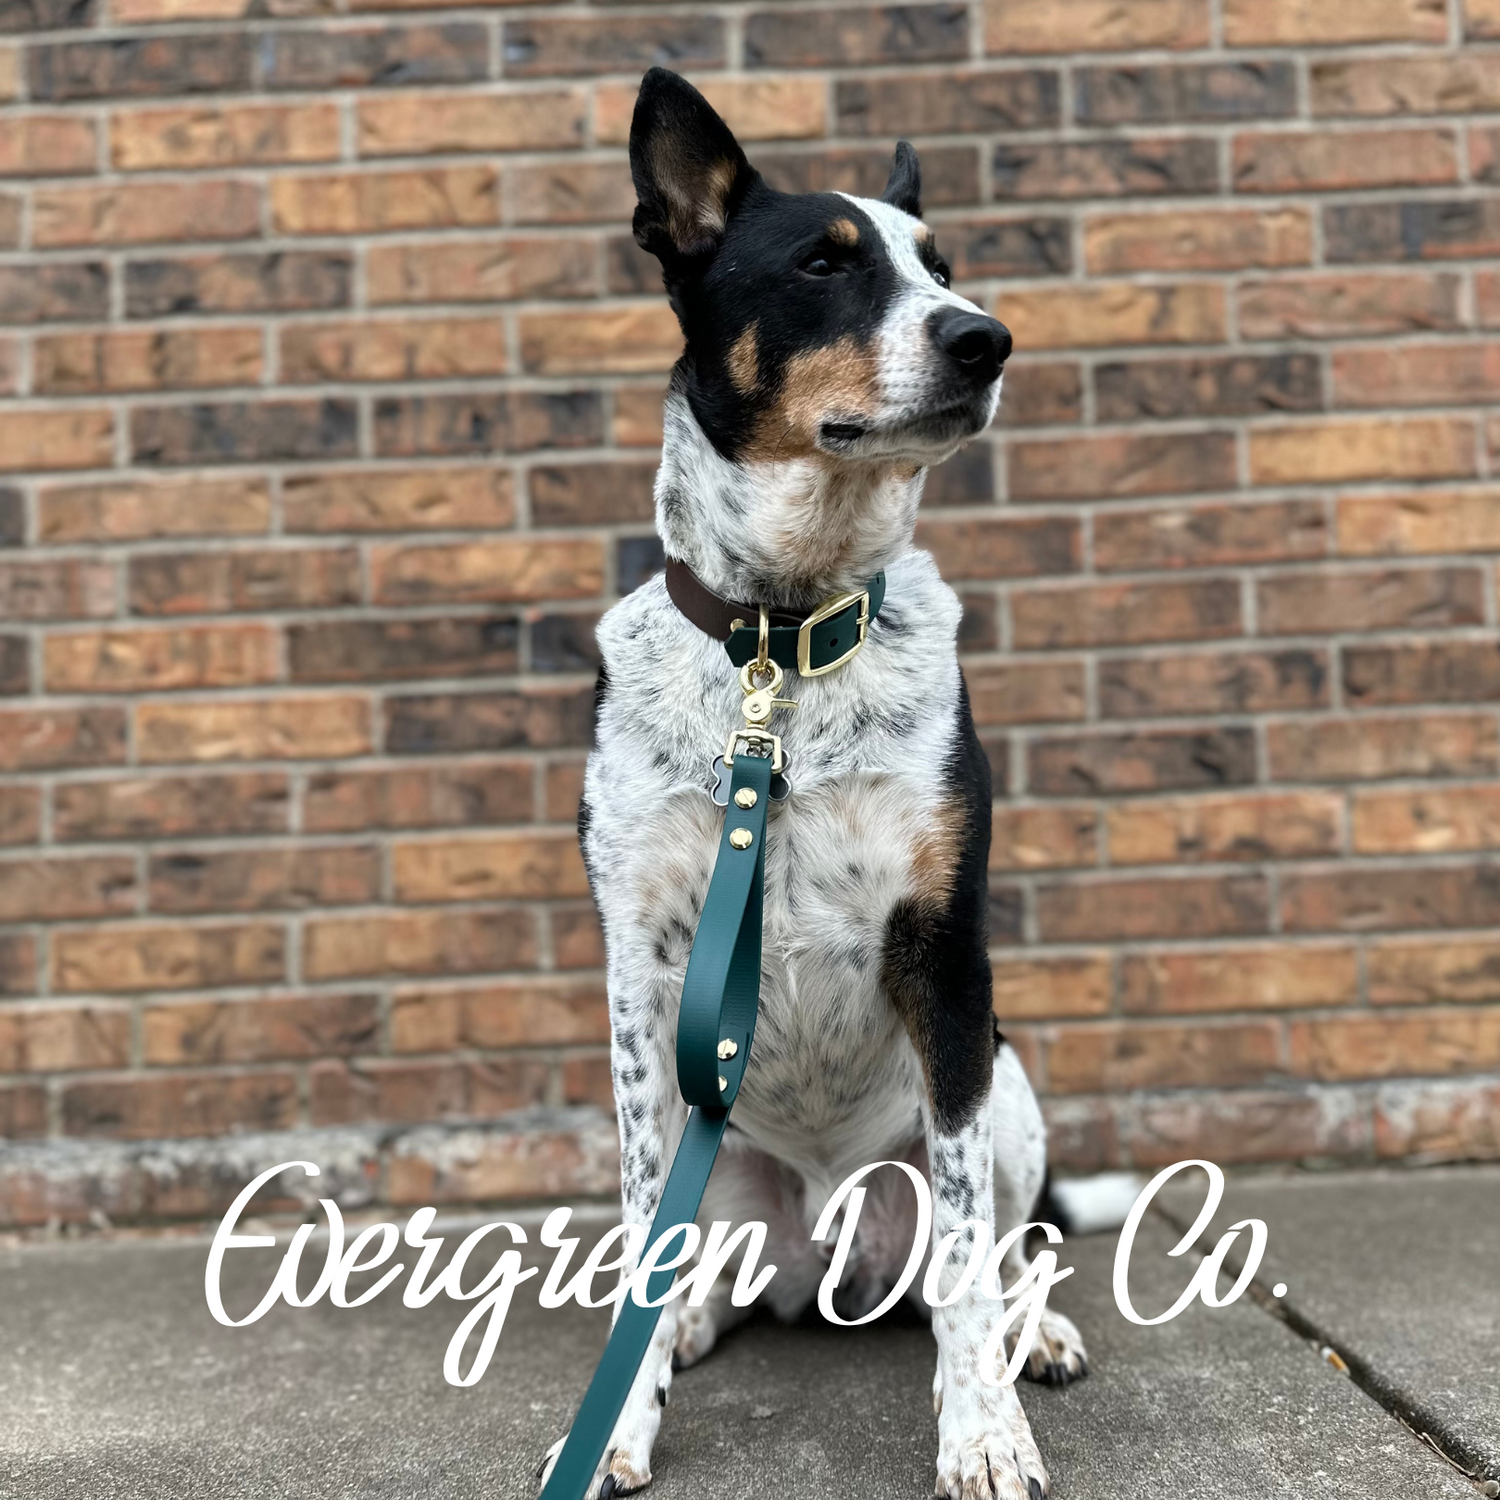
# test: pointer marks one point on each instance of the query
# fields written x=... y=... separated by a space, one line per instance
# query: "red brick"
x=20 y=814
x=36 y=739
x=850 y=37
x=345 y=1093
x=1197 y=240
x=1248 y=1126
x=503 y=866
x=1336 y=602
x=418 y=942
x=544 y=1011
x=1426 y=672
x=70 y=438
x=626 y=340
x=1041 y=394
x=297 y=728
x=23 y=1111
x=1351 y=304
x=1118 y=1057
x=70 y=292
x=637 y=419
x=278 y=281
x=49 y=890
x=485 y=422
x=591 y=494
x=198 y=1104
x=63 y=589
x=1294 y=23
x=577 y=941
x=486 y=270
x=71 y=364
x=1432 y=820
x=1324 y=161
x=476 y=572
x=409 y=349
x=1123 y=466
x=1178 y=982
x=128 y=661
x=136 y=510
x=1236 y=682
x=1286 y=825
x=377 y=202
x=177 y=583
x=1369 y=748
x=188 y=64
x=761 y=108
x=1093 y=25
x=399 y=500
x=1363 y=448
x=208 y=881
x=1109 y=313
x=373 y=56
x=1437 y=83
x=1002 y=546
x=1422 y=971
x=270 y=1029
x=1391 y=899
x=1207 y=386
x=1418 y=229
x=63 y=1038
x=1109 y=168
x=610 y=44
x=539 y=718
x=136 y=957
x=1417 y=375
x=47 y=145
x=1048 y=837
x=458 y=795
x=1209 y=535
x=1389 y=1046
x=223 y=135
x=168 y=807
x=1026 y=692
x=244 y=431
x=141 y=212
x=1044 y=988
x=1105 y=614
x=419 y=123
x=1149 y=760
x=1438 y=1121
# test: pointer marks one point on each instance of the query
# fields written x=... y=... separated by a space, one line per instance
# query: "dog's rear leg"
x=1057 y=1353
x=651 y=1116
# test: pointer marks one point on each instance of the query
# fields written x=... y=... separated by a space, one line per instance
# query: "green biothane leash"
x=720 y=996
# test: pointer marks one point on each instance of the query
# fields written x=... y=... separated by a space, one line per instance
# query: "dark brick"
x=638 y=557
x=564 y=643
x=1107 y=168
x=1041 y=394
x=1159 y=761
x=455 y=722
x=1007 y=247
x=968 y=478
x=1388 y=900
x=358 y=650
x=1207 y=386
x=1241 y=682
x=47 y=15
x=137 y=67
x=978 y=627
x=488 y=423
x=15 y=665
x=611 y=44
x=68 y=292
x=1210 y=535
x=628 y=268
x=1002 y=546
x=171 y=807
x=801 y=38
x=1442 y=672
x=278 y=282
x=243 y=432
x=1424 y=229
x=946 y=103
x=1007 y=914
x=1151 y=95
x=950 y=174
x=591 y=494
x=12 y=517
x=377 y=56
x=1099 y=910
x=1123 y=464
x=17 y=975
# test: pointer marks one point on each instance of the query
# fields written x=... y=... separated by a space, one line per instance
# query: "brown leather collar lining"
x=710 y=612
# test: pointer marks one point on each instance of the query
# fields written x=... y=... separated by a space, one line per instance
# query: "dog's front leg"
x=985 y=1447
x=651 y=1115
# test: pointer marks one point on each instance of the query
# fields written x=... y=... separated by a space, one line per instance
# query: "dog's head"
x=817 y=325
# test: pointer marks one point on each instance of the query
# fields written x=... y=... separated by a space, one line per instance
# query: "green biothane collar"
x=810 y=644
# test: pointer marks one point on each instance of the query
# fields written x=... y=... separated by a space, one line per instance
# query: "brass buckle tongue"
x=835 y=604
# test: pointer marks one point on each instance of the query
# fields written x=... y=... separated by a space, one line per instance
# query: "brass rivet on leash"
x=723 y=1083
x=746 y=797
x=736 y=624
x=727 y=1049
x=741 y=838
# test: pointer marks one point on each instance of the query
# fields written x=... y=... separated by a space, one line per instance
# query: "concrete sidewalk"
x=115 y=1382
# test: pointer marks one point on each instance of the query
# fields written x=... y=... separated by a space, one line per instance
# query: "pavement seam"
x=1424 y=1425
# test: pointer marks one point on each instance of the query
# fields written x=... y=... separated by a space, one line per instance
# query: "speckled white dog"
x=827 y=364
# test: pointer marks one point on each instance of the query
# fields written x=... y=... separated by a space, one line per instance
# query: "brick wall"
x=331 y=388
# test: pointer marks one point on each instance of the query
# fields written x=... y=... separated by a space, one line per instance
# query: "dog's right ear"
x=689 y=171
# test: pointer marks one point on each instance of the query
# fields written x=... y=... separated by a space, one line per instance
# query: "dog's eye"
x=941 y=277
x=817 y=266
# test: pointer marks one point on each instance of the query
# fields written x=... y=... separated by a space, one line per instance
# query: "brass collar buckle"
x=834 y=605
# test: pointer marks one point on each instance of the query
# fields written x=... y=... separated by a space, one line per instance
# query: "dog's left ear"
x=904 y=189
x=689 y=171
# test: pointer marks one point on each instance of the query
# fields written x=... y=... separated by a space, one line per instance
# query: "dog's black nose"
x=977 y=345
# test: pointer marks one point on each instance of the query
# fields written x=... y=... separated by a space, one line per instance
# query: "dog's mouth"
x=936 y=428
x=837 y=437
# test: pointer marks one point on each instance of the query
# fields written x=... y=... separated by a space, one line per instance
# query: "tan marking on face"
x=744 y=362
x=839 y=381
x=922 y=234
x=844 y=232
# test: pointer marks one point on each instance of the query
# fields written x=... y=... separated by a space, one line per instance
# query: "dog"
x=828 y=363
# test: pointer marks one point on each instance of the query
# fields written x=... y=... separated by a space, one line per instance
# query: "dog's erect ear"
x=904 y=188
x=689 y=171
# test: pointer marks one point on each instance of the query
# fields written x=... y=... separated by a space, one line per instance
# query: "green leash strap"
x=720 y=995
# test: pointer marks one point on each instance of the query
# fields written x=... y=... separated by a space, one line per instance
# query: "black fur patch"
x=935 y=964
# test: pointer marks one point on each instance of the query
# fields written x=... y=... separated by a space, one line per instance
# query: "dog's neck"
x=788 y=533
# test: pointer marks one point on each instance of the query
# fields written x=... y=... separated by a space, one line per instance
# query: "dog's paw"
x=985 y=1449
x=697 y=1333
x=1057 y=1354
x=618 y=1475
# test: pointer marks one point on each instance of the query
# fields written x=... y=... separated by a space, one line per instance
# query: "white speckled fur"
x=834 y=1082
